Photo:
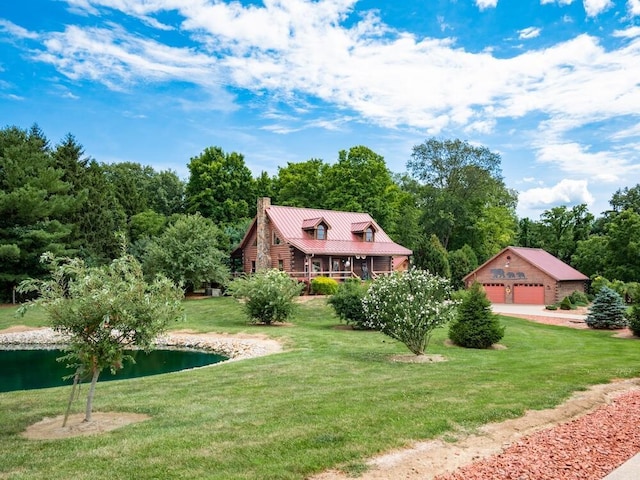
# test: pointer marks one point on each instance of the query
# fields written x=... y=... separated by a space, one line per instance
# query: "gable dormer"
x=316 y=228
x=366 y=231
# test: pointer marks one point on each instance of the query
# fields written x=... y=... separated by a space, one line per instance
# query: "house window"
x=368 y=235
x=316 y=266
x=321 y=232
x=276 y=239
x=253 y=266
x=280 y=265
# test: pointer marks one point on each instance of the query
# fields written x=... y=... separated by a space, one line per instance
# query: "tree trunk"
x=92 y=389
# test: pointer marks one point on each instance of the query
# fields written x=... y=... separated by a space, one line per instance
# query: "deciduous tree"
x=104 y=311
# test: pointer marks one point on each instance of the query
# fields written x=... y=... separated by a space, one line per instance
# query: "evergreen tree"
x=430 y=255
x=35 y=206
x=607 y=311
x=475 y=326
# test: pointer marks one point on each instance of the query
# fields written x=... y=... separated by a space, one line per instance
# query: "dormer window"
x=365 y=231
x=316 y=228
x=368 y=235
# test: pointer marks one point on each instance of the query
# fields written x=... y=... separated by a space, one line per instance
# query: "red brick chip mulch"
x=587 y=448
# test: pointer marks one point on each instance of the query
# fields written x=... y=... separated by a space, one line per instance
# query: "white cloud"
x=483 y=4
x=575 y=159
x=630 y=32
x=16 y=30
x=567 y=192
x=529 y=32
x=559 y=2
x=596 y=7
x=633 y=6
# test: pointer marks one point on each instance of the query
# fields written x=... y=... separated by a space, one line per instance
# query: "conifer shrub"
x=475 y=325
x=347 y=302
x=633 y=319
x=607 y=311
x=324 y=286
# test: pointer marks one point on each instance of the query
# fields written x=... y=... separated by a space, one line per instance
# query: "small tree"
x=476 y=326
x=607 y=311
x=347 y=302
x=408 y=306
x=268 y=295
x=104 y=311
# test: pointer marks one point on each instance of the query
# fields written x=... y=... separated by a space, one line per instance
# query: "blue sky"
x=553 y=86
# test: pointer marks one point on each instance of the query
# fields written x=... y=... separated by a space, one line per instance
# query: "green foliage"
x=463 y=199
x=566 y=304
x=579 y=298
x=347 y=302
x=462 y=262
x=104 y=311
x=408 y=306
x=188 y=253
x=311 y=174
x=430 y=255
x=475 y=326
x=607 y=311
x=633 y=318
x=36 y=204
x=220 y=186
x=268 y=296
x=324 y=286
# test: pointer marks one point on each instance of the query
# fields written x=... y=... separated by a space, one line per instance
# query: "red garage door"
x=495 y=293
x=528 y=294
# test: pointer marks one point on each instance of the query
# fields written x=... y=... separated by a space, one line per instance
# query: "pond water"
x=31 y=369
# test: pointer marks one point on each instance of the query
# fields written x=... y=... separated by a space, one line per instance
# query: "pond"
x=31 y=369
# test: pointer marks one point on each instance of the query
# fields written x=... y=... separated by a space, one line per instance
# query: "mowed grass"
x=332 y=399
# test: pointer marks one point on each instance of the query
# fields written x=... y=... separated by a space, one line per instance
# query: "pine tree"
x=607 y=311
x=475 y=326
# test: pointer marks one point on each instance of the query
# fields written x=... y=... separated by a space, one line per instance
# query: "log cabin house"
x=308 y=243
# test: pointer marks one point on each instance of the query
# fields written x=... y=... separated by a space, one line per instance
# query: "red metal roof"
x=553 y=266
x=289 y=221
x=542 y=260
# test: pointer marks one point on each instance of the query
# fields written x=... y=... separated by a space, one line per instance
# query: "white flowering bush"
x=408 y=306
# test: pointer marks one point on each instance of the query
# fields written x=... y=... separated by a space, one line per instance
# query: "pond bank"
x=236 y=347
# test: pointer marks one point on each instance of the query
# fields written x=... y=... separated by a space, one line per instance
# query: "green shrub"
x=408 y=306
x=475 y=326
x=633 y=316
x=268 y=296
x=566 y=304
x=347 y=302
x=607 y=311
x=551 y=307
x=324 y=286
x=579 y=298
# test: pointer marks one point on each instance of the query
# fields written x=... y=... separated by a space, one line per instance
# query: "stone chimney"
x=263 y=259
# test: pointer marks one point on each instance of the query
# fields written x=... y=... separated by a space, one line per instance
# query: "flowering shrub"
x=268 y=296
x=408 y=306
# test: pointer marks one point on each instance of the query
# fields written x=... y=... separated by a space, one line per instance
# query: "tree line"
x=451 y=207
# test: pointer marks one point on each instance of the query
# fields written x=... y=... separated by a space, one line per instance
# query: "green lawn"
x=332 y=399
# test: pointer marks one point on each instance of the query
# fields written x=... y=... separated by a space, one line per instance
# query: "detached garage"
x=526 y=276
